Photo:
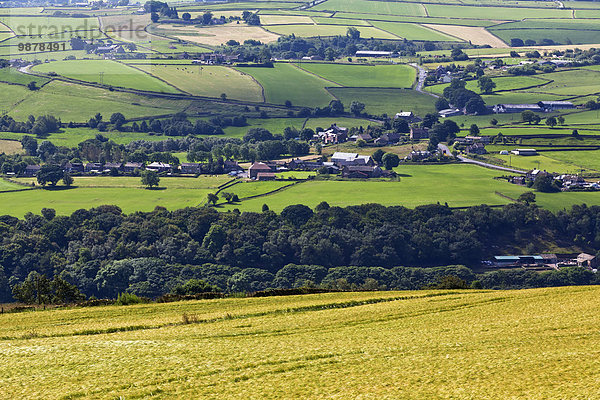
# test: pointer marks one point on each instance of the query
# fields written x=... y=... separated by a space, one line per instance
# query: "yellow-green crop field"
x=529 y=344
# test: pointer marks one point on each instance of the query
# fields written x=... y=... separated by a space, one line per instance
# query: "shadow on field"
x=156 y=188
x=58 y=188
x=404 y=175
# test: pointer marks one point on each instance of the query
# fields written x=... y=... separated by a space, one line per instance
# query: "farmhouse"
x=190 y=168
x=343 y=159
x=408 y=116
x=109 y=166
x=93 y=167
x=525 y=152
x=534 y=174
x=418 y=155
x=516 y=108
x=31 y=170
x=361 y=172
x=258 y=168
x=73 y=167
x=232 y=166
x=334 y=135
x=549 y=106
x=387 y=138
x=477 y=148
x=158 y=167
x=130 y=167
x=419 y=133
x=587 y=261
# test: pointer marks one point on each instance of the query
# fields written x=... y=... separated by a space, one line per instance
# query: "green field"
x=541 y=162
x=389 y=101
x=497 y=13
x=46 y=25
x=210 y=81
x=413 y=32
x=458 y=185
x=586 y=159
x=107 y=72
x=287 y=82
x=12 y=75
x=393 y=76
x=6 y=186
x=124 y=192
x=372 y=7
x=60 y=98
x=502 y=84
x=527 y=344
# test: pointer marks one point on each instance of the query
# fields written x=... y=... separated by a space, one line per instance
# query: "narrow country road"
x=421 y=75
x=445 y=150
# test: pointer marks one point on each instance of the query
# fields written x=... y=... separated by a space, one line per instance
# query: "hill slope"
x=530 y=344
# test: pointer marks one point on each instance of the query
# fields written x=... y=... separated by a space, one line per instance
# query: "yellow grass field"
x=10 y=147
x=475 y=35
x=217 y=35
x=285 y=20
x=528 y=344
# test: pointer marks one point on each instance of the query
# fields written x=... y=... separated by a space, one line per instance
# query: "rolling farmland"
x=314 y=346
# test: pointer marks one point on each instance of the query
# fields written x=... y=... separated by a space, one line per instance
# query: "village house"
x=190 y=168
x=232 y=166
x=387 y=138
x=361 y=172
x=534 y=174
x=31 y=170
x=93 y=167
x=73 y=168
x=334 y=135
x=418 y=155
x=258 y=168
x=159 y=167
x=110 y=166
x=477 y=148
x=130 y=167
x=342 y=159
x=419 y=133
x=482 y=139
x=408 y=116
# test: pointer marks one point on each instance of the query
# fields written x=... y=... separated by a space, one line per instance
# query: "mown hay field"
x=209 y=81
x=329 y=30
x=530 y=344
x=218 y=35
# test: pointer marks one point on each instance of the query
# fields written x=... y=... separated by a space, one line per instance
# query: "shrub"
x=125 y=299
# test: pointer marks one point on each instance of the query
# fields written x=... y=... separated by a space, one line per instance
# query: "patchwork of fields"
x=409 y=345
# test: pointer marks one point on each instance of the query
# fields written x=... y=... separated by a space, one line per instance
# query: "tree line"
x=104 y=252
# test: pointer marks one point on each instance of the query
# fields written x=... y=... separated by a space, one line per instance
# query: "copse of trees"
x=104 y=252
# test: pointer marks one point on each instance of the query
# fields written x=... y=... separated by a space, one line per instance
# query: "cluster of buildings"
x=546 y=261
x=568 y=182
x=217 y=58
x=348 y=165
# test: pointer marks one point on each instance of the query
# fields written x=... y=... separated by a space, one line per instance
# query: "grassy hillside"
x=530 y=344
